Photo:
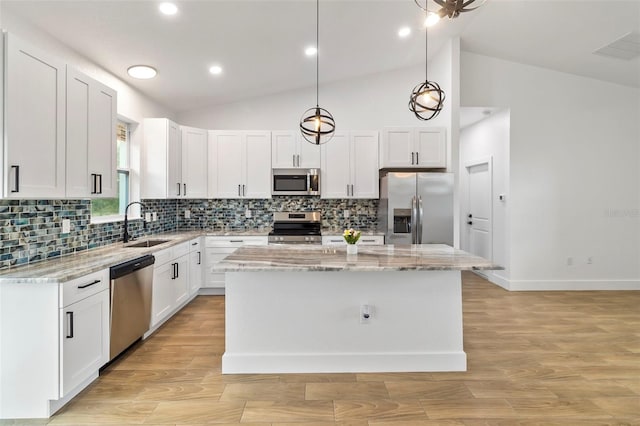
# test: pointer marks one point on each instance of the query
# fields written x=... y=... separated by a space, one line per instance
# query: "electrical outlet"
x=66 y=226
x=147 y=217
x=247 y=214
x=346 y=214
x=187 y=214
x=154 y=216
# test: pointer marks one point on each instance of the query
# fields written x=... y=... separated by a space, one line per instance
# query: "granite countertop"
x=330 y=232
x=418 y=257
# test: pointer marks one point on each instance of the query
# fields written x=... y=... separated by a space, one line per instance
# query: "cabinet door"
x=79 y=182
x=84 y=339
x=194 y=162
x=215 y=255
x=257 y=165
x=335 y=178
x=397 y=148
x=181 y=281
x=225 y=151
x=163 y=294
x=195 y=271
x=364 y=164
x=174 y=161
x=35 y=123
x=153 y=178
x=309 y=157
x=283 y=150
x=102 y=139
x=431 y=147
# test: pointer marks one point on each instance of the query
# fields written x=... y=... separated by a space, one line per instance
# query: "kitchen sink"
x=146 y=243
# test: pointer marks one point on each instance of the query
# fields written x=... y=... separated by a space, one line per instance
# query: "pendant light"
x=427 y=99
x=452 y=8
x=317 y=125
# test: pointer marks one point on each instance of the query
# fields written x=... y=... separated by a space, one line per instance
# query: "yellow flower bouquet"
x=351 y=236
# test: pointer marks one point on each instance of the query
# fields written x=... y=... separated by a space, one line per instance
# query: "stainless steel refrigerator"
x=416 y=208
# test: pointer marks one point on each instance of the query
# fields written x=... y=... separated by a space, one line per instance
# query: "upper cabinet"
x=417 y=147
x=350 y=166
x=34 y=113
x=239 y=164
x=175 y=160
x=290 y=150
x=91 y=137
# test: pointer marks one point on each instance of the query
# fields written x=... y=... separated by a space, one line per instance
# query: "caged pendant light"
x=317 y=124
x=427 y=99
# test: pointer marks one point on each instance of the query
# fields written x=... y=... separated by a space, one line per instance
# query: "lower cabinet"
x=170 y=282
x=368 y=240
x=196 y=265
x=217 y=248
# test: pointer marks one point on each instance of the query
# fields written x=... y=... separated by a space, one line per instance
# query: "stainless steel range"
x=296 y=228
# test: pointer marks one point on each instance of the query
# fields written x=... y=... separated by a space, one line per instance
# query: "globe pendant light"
x=452 y=8
x=427 y=99
x=317 y=124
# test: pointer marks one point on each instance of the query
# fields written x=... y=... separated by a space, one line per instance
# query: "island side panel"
x=309 y=322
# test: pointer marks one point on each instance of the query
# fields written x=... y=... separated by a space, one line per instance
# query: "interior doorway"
x=479 y=226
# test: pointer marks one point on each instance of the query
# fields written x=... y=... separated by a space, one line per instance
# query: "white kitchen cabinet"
x=350 y=166
x=91 y=168
x=196 y=265
x=216 y=249
x=365 y=240
x=239 y=164
x=34 y=127
x=170 y=282
x=161 y=175
x=194 y=162
x=414 y=147
x=289 y=150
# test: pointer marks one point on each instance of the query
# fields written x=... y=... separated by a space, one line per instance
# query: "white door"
x=35 y=123
x=257 y=165
x=283 y=150
x=194 y=162
x=364 y=165
x=174 y=161
x=431 y=147
x=397 y=147
x=478 y=216
x=102 y=139
x=335 y=180
x=225 y=148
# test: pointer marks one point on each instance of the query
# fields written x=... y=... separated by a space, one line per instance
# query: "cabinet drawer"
x=83 y=287
x=236 y=241
x=180 y=250
x=163 y=256
x=367 y=240
x=194 y=245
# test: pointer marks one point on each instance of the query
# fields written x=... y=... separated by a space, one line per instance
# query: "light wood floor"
x=534 y=358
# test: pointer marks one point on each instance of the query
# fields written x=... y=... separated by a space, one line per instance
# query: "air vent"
x=626 y=47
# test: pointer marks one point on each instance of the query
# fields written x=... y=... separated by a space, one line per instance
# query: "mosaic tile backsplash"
x=31 y=230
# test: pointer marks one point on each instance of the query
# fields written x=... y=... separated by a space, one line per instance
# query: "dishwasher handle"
x=126 y=268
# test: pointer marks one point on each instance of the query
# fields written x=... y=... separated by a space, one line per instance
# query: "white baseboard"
x=211 y=291
x=343 y=362
x=572 y=285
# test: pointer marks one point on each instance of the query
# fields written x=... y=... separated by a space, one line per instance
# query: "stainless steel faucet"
x=125 y=234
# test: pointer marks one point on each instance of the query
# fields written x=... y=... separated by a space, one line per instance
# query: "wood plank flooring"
x=534 y=358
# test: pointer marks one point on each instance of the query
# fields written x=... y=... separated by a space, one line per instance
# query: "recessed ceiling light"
x=432 y=19
x=142 y=72
x=215 y=70
x=168 y=8
x=404 y=32
x=310 y=51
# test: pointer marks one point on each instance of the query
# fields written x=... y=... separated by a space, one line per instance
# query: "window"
x=112 y=208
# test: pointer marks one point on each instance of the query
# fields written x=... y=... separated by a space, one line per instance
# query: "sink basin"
x=146 y=243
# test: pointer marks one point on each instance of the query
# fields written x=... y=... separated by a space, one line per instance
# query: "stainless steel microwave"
x=295 y=182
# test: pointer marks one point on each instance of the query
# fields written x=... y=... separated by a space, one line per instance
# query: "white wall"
x=484 y=139
x=574 y=173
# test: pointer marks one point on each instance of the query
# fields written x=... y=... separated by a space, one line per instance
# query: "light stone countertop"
x=417 y=257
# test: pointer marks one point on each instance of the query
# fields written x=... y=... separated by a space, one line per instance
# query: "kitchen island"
x=315 y=309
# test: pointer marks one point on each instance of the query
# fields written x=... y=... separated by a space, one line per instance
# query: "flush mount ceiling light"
x=427 y=99
x=142 y=72
x=168 y=8
x=453 y=8
x=317 y=124
x=215 y=70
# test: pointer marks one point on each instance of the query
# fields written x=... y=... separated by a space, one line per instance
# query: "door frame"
x=488 y=160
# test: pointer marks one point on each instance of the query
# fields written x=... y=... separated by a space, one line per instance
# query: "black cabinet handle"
x=412 y=158
x=199 y=258
x=94 y=183
x=70 y=326
x=236 y=241
x=17 y=186
x=177 y=270
x=194 y=244
x=470 y=215
x=417 y=158
x=178 y=188
x=185 y=189
x=469 y=223
x=100 y=190
x=90 y=284
x=239 y=193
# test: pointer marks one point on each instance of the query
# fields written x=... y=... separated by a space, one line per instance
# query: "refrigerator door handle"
x=420 y=217
x=414 y=221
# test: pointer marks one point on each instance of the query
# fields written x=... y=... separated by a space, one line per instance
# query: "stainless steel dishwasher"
x=130 y=311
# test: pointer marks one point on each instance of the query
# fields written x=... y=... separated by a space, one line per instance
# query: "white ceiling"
x=260 y=43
